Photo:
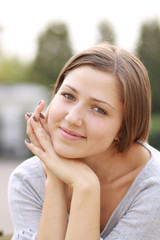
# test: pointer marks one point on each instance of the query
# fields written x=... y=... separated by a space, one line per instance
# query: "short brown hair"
x=134 y=82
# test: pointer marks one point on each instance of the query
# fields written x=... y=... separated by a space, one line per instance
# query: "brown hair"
x=135 y=87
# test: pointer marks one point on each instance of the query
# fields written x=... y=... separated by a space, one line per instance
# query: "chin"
x=65 y=152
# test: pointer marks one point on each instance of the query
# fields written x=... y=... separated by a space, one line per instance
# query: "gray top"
x=137 y=216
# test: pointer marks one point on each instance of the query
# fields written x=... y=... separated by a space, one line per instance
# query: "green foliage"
x=148 y=49
x=155 y=123
x=12 y=70
x=106 y=32
x=54 y=50
x=154 y=136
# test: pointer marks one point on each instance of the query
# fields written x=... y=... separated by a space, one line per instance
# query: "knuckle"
x=45 y=137
x=37 y=151
x=37 y=130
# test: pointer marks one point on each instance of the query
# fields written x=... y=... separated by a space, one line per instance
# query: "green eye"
x=99 y=110
x=69 y=96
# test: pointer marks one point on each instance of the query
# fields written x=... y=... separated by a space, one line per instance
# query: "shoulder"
x=146 y=185
x=152 y=168
x=147 y=182
x=138 y=214
x=26 y=191
x=154 y=152
x=30 y=167
x=28 y=175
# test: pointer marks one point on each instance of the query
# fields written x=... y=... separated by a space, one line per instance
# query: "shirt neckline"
x=121 y=203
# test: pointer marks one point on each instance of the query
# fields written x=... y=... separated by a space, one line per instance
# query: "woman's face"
x=86 y=113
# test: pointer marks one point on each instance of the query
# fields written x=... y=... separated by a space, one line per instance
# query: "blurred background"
x=38 y=36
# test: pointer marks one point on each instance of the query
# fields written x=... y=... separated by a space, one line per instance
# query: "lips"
x=71 y=135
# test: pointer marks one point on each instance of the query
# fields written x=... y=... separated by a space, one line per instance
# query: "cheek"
x=103 y=132
x=56 y=114
x=96 y=130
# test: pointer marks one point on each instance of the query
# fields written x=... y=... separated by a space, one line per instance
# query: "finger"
x=37 y=111
x=40 y=107
x=27 y=116
x=40 y=116
x=32 y=136
x=43 y=121
x=35 y=150
x=30 y=131
x=41 y=134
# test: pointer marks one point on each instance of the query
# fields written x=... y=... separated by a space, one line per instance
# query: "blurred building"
x=15 y=101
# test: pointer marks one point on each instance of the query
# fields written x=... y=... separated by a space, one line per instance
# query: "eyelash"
x=70 y=97
x=100 y=111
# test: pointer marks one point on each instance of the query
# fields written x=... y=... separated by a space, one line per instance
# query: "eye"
x=68 y=96
x=100 y=110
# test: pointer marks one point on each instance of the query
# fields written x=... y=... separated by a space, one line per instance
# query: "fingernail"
x=28 y=114
x=34 y=118
x=27 y=140
x=41 y=116
x=39 y=102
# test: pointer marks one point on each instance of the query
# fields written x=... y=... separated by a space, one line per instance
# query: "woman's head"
x=134 y=86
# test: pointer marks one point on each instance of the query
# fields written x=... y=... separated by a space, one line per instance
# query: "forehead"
x=89 y=77
x=94 y=83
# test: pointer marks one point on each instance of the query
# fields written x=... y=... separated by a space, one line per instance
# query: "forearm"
x=53 y=221
x=84 y=221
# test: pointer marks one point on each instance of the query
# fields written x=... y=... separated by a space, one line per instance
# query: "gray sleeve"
x=25 y=207
x=142 y=219
x=25 y=204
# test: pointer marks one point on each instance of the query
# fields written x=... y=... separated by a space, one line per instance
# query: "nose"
x=75 y=115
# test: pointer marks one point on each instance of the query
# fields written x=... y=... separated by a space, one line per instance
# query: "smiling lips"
x=70 y=135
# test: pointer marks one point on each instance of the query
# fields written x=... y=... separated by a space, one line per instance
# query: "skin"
x=76 y=142
x=79 y=110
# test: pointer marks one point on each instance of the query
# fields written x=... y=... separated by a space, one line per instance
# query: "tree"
x=13 y=70
x=54 y=50
x=105 y=32
x=148 y=49
x=1 y=53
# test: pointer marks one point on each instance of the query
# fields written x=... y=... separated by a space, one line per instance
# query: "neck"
x=111 y=165
x=106 y=166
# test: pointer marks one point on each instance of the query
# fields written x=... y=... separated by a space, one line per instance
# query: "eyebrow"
x=92 y=98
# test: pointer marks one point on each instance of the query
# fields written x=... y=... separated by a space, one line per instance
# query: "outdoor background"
x=38 y=36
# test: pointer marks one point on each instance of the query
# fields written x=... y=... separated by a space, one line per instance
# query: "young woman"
x=93 y=175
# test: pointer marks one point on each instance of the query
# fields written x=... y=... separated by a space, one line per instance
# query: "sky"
x=22 y=21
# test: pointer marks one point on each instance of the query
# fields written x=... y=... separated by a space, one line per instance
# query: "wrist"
x=53 y=182
x=91 y=184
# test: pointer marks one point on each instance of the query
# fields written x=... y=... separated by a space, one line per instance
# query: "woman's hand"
x=53 y=222
x=85 y=204
x=69 y=171
x=40 y=117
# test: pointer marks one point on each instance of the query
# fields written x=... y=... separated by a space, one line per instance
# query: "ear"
x=116 y=140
